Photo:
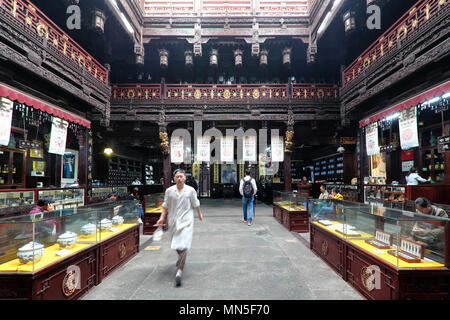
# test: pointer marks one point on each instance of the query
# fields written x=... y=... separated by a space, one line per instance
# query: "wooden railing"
x=30 y=19
x=315 y=91
x=224 y=93
x=412 y=21
x=136 y=92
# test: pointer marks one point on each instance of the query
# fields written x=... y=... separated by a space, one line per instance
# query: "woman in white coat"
x=179 y=203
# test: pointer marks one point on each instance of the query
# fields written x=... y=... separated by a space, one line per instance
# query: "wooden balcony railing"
x=412 y=21
x=224 y=93
x=136 y=92
x=315 y=91
x=28 y=18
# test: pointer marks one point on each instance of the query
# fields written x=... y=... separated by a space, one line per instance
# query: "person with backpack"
x=247 y=189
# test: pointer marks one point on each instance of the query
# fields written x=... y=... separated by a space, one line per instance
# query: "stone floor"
x=228 y=260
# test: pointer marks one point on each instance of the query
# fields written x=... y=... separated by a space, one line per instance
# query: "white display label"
x=249 y=149
x=58 y=136
x=62 y=252
x=407 y=124
x=6 y=110
x=227 y=149
x=176 y=149
x=372 y=146
x=204 y=149
x=277 y=145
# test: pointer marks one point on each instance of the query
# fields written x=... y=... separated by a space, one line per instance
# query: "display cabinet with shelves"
x=12 y=168
x=391 y=196
x=122 y=171
x=338 y=168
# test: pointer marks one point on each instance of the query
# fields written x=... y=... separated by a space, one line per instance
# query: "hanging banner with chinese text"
x=372 y=146
x=6 y=110
x=176 y=149
x=203 y=149
x=249 y=145
x=407 y=123
x=227 y=149
x=58 y=136
x=277 y=149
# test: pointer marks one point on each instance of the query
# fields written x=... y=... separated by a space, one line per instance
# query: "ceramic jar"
x=67 y=240
x=30 y=252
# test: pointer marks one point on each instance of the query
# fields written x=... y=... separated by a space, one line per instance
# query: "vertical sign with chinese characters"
x=277 y=149
x=249 y=145
x=372 y=145
x=203 y=149
x=227 y=149
x=6 y=110
x=176 y=149
x=407 y=124
x=58 y=136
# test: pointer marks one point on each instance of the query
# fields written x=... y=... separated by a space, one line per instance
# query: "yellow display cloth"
x=340 y=235
x=50 y=256
x=286 y=205
x=153 y=210
x=391 y=259
x=105 y=234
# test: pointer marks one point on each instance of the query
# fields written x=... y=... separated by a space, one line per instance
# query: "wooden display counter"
x=56 y=278
x=376 y=274
x=296 y=220
x=328 y=247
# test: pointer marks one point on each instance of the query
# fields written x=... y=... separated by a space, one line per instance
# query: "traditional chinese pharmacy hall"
x=339 y=109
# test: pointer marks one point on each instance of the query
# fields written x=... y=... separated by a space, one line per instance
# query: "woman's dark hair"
x=45 y=201
x=333 y=190
x=412 y=170
x=179 y=171
x=248 y=172
x=423 y=202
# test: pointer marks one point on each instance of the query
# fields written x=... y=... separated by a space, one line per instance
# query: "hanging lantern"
x=98 y=21
x=238 y=58
x=264 y=57
x=287 y=56
x=188 y=58
x=163 y=58
x=139 y=54
x=349 y=21
x=214 y=59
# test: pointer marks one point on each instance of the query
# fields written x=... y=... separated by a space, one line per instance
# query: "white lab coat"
x=413 y=179
x=180 y=208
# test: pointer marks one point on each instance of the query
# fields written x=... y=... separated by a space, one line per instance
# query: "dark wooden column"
x=287 y=172
x=167 y=171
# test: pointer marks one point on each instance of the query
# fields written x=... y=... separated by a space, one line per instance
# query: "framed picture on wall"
x=69 y=167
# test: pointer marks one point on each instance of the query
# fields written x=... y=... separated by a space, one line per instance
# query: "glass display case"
x=399 y=238
x=290 y=201
x=30 y=243
x=390 y=196
x=153 y=202
x=16 y=198
x=64 y=198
